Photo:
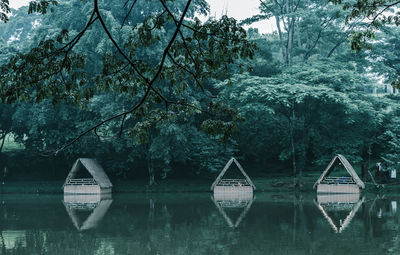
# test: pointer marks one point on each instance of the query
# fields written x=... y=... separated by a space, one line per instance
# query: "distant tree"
x=390 y=139
x=304 y=115
x=384 y=56
x=378 y=14
x=305 y=28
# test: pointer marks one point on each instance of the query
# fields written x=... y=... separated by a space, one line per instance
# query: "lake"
x=197 y=223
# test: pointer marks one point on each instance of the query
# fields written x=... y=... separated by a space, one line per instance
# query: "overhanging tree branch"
x=147 y=81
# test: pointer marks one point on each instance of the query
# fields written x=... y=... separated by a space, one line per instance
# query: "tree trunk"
x=3 y=141
x=150 y=167
x=290 y=32
x=151 y=174
x=290 y=41
x=289 y=47
x=283 y=48
x=295 y=177
x=369 y=156
x=298 y=35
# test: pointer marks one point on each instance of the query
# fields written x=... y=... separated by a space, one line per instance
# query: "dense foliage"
x=305 y=97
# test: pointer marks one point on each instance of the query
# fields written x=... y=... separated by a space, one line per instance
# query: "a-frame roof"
x=226 y=168
x=343 y=223
x=93 y=168
x=346 y=165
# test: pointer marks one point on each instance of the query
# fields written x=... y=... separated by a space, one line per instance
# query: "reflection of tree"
x=384 y=223
x=190 y=224
x=3 y=246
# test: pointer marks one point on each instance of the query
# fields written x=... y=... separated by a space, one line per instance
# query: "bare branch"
x=95 y=132
x=129 y=12
x=180 y=32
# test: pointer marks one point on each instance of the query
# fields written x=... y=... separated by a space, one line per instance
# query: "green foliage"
x=305 y=28
x=57 y=68
x=264 y=64
x=379 y=14
x=384 y=56
x=41 y=6
x=4 y=10
x=325 y=119
x=391 y=137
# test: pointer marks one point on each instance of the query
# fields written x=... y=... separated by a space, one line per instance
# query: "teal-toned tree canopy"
x=156 y=52
x=378 y=15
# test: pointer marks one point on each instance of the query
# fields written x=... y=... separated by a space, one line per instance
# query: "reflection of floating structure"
x=330 y=204
x=326 y=184
x=226 y=186
x=99 y=183
x=11 y=239
x=93 y=205
x=225 y=204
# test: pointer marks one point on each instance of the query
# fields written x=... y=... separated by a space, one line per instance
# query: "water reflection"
x=191 y=224
x=12 y=239
x=229 y=204
x=87 y=211
x=335 y=206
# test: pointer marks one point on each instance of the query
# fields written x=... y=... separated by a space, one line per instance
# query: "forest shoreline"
x=263 y=184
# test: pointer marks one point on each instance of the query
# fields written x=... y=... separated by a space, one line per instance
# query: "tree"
x=189 y=54
x=305 y=28
x=304 y=115
x=384 y=57
x=378 y=13
x=390 y=139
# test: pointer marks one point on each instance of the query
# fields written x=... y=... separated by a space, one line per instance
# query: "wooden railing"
x=83 y=206
x=338 y=180
x=233 y=204
x=233 y=182
x=83 y=181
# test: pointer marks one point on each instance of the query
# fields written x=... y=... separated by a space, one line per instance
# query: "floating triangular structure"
x=329 y=204
x=94 y=205
x=351 y=184
x=99 y=183
x=224 y=204
x=221 y=185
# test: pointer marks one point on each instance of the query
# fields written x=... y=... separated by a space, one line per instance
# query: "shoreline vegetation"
x=263 y=184
x=269 y=183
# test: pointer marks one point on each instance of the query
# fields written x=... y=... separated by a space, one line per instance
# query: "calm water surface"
x=199 y=224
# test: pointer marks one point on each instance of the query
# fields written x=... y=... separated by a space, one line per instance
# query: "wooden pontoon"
x=226 y=186
x=98 y=184
x=350 y=184
x=328 y=204
x=86 y=203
